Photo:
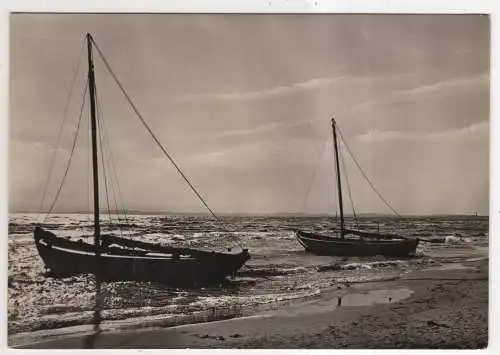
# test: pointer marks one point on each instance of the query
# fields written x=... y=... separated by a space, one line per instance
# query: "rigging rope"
x=59 y=136
x=136 y=111
x=162 y=148
x=103 y=166
x=114 y=175
x=365 y=176
x=101 y=144
x=111 y=193
x=313 y=176
x=71 y=153
x=348 y=187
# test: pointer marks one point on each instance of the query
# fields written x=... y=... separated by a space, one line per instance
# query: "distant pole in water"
x=95 y=174
x=339 y=186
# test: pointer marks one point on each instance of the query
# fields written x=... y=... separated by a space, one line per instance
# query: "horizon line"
x=319 y=214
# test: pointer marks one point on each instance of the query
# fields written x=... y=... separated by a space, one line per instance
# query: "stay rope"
x=59 y=136
x=107 y=173
x=342 y=161
x=103 y=165
x=71 y=154
x=114 y=176
x=365 y=176
x=313 y=176
x=143 y=121
x=157 y=141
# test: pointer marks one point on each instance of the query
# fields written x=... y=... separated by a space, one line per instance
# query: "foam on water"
x=279 y=273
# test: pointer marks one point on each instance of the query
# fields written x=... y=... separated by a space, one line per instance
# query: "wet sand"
x=438 y=308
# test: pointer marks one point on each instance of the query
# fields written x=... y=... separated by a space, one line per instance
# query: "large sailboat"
x=353 y=242
x=112 y=257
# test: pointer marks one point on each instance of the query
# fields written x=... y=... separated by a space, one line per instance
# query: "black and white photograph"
x=258 y=181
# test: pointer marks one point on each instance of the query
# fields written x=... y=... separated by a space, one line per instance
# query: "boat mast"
x=95 y=174
x=339 y=186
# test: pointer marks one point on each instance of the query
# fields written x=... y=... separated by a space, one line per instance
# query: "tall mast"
x=339 y=185
x=95 y=174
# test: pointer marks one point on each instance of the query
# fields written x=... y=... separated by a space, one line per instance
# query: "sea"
x=279 y=273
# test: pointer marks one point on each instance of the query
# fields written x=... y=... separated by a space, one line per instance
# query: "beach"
x=446 y=308
x=283 y=297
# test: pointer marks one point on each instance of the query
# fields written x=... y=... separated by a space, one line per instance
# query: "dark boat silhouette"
x=352 y=242
x=122 y=259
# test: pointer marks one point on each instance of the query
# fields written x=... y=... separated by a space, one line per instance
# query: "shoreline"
x=445 y=309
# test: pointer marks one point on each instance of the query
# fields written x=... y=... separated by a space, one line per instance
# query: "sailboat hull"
x=66 y=258
x=335 y=246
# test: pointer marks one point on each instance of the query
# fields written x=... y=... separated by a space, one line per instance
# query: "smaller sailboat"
x=353 y=242
x=114 y=258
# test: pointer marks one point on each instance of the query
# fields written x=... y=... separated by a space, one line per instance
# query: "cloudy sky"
x=243 y=103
